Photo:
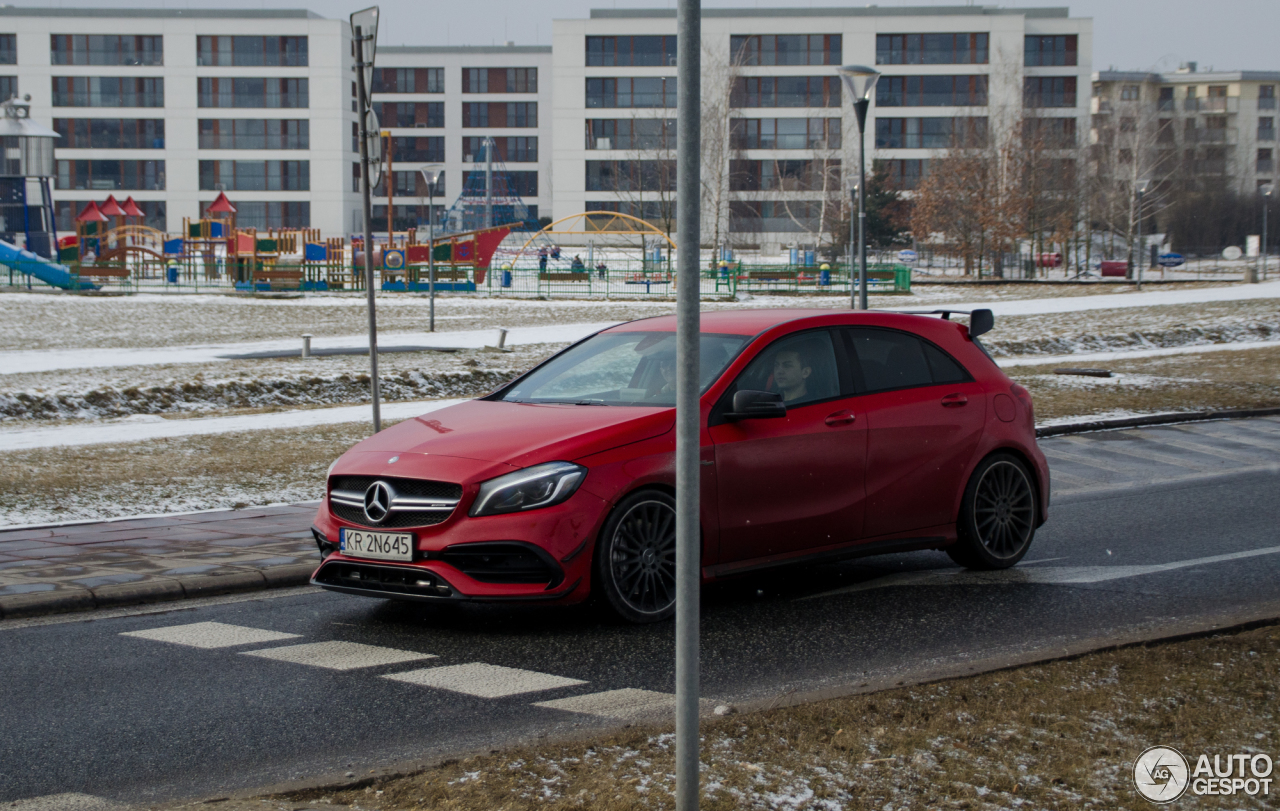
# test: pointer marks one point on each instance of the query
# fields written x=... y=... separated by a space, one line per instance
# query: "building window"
x=519 y=184
x=255 y=175
x=418 y=150
x=105 y=49
x=407 y=80
x=785 y=91
x=499 y=80
x=784 y=133
x=8 y=87
x=404 y=114
x=8 y=49
x=931 y=133
x=1048 y=133
x=904 y=174
x=1049 y=91
x=785 y=49
x=107 y=91
x=631 y=175
x=65 y=211
x=631 y=133
x=110 y=175
x=657 y=91
x=511 y=149
x=775 y=216
x=784 y=175
x=1266 y=95
x=932 y=49
x=1265 y=165
x=643 y=51
x=654 y=211
x=253 y=93
x=110 y=133
x=932 y=91
x=254 y=133
x=408 y=217
x=1050 y=51
x=1266 y=128
x=1216 y=100
x=499 y=114
x=1130 y=92
x=1166 y=102
x=251 y=51
x=266 y=214
x=1164 y=131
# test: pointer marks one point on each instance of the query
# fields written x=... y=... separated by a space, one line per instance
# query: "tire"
x=635 y=564
x=997 y=516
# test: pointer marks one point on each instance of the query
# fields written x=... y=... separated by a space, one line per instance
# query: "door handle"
x=841 y=418
x=954 y=400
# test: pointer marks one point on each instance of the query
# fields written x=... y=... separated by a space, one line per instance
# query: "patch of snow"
x=1092 y=357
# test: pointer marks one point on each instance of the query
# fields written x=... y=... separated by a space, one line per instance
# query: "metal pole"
x=391 y=191
x=431 y=250
x=688 y=420
x=1139 y=274
x=860 y=107
x=367 y=204
x=488 y=181
x=853 y=246
x=1263 y=273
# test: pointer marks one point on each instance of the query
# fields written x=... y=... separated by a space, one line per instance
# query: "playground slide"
x=46 y=271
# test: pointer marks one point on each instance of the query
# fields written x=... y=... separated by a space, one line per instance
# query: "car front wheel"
x=997 y=516
x=636 y=558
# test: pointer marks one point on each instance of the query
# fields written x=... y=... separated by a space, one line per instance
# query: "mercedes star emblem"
x=377 y=502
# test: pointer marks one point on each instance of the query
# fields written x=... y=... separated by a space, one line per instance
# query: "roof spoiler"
x=980 y=321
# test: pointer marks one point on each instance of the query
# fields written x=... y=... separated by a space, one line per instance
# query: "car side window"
x=802 y=368
x=890 y=359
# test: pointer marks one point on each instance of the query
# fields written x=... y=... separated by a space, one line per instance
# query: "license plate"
x=359 y=543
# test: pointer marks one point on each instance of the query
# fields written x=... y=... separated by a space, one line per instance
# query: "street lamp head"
x=1267 y=189
x=431 y=173
x=1143 y=185
x=860 y=79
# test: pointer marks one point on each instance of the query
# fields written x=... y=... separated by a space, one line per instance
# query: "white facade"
x=329 y=197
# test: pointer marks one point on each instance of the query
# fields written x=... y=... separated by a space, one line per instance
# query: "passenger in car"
x=791 y=372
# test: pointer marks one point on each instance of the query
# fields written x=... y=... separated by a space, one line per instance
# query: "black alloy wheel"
x=998 y=515
x=636 y=558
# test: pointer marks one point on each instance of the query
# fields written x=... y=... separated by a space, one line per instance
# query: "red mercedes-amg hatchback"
x=825 y=435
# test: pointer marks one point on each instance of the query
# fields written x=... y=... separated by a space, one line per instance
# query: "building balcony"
x=1266 y=103
x=1215 y=166
x=1216 y=104
x=1100 y=106
x=1219 y=135
x=1266 y=167
x=1266 y=134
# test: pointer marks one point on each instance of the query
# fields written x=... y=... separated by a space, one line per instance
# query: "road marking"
x=622 y=704
x=1088 y=461
x=65 y=802
x=1148 y=454
x=210 y=635
x=1041 y=575
x=484 y=681
x=339 y=655
x=1186 y=442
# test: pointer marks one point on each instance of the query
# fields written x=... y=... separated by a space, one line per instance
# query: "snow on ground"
x=1096 y=357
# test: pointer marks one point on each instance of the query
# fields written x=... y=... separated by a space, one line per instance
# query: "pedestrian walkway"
x=83 y=566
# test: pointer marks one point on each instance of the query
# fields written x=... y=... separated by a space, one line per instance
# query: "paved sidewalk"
x=83 y=566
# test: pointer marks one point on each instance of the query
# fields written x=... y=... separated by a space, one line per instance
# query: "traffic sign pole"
x=361 y=23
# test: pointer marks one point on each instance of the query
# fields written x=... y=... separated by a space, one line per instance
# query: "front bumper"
x=490 y=559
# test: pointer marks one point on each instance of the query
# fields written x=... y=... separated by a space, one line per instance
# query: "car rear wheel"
x=997 y=516
x=636 y=559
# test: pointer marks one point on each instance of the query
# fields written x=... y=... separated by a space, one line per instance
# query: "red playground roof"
x=91 y=213
x=131 y=209
x=221 y=206
x=111 y=208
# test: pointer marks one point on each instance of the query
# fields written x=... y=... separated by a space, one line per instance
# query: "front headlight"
x=528 y=489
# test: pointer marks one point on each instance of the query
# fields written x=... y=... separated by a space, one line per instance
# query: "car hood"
x=521 y=434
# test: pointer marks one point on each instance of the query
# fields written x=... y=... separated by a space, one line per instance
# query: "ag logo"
x=1160 y=774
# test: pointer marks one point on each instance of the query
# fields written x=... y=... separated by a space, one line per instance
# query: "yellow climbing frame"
x=595 y=222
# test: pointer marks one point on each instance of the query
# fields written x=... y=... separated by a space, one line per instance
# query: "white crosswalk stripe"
x=338 y=655
x=210 y=635
x=484 y=680
x=624 y=704
x=65 y=802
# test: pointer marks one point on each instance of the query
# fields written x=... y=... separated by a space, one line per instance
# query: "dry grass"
x=1246 y=378
x=1061 y=735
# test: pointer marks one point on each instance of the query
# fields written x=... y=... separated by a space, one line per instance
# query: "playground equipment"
x=26 y=205
x=487 y=199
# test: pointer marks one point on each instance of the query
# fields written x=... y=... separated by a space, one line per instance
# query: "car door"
x=924 y=416
x=789 y=484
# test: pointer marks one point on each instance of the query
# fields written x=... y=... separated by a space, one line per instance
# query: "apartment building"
x=1187 y=127
x=950 y=76
x=172 y=106
x=440 y=103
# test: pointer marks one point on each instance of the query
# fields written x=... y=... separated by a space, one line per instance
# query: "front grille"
x=400 y=518
x=389 y=579
x=503 y=563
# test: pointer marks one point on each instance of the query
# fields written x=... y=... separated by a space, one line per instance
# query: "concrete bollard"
x=502 y=338
x=306 y=346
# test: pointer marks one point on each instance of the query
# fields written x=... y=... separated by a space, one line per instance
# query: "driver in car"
x=791 y=374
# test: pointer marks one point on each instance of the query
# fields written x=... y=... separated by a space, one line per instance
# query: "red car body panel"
x=875 y=472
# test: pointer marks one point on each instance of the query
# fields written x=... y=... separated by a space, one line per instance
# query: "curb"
x=115 y=595
x=1154 y=419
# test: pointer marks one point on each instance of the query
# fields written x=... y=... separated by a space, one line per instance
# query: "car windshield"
x=623 y=369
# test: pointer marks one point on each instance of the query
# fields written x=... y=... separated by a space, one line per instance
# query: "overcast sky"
x=1128 y=34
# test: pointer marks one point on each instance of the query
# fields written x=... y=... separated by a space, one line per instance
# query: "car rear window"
x=890 y=359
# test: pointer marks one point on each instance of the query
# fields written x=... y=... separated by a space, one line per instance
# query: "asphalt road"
x=151 y=704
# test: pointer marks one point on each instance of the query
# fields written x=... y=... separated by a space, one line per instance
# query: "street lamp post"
x=1141 y=186
x=1267 y=190
x=860 y=80
x=853 y=236
x=431 y=174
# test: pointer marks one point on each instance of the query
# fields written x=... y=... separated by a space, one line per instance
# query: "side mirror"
x=980 y=322
x=757 y=405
